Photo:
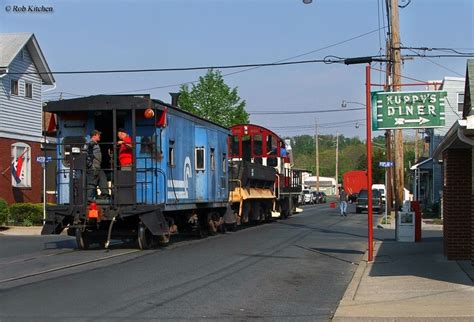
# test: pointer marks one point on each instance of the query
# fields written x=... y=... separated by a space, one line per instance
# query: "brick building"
x=23 y=73
x=456 y=152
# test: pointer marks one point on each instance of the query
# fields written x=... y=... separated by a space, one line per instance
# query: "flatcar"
x=262 y=179
x=178 y=180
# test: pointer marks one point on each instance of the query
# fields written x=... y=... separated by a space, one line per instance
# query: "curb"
x=352 y=288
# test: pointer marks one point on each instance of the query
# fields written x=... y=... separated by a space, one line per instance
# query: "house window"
x=29 y=90
x=21 y=165
x=200 y=159
x=14 y=87
x=460 y=102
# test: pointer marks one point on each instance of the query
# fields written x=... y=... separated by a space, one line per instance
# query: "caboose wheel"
x=82 y=239
x=145 y=238
x=214 y=222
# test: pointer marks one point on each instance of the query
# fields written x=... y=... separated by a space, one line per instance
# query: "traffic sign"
x=408 y=110
x=43 y=159
x=386 y=164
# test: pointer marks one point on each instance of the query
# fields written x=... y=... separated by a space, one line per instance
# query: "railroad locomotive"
x=179 y=181
x=262 y=179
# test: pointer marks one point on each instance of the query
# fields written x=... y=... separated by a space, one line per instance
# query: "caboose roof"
x=117 y=102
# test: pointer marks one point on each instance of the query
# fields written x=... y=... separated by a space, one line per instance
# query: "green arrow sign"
x=408 y=110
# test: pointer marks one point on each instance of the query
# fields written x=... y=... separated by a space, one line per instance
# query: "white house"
x=23 y=73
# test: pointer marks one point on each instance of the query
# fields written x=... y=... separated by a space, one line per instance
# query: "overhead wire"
x=435 y=63
x=304 y=112
x=254 y=67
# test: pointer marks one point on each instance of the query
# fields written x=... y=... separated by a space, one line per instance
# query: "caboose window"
x=70 y=142
x=235 y=145
x=171 y=156
x=224 y=163
x=271 y=145
x=199 y=159
x=213 y=160
x=257 y=145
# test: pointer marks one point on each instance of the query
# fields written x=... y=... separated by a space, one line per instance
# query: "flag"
x=161 y=121
x=16 y=171
x=52 y=123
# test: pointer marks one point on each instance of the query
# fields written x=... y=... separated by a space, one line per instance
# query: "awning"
x=422 y=164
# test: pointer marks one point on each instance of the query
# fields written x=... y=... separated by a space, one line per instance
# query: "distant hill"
x=352 y=155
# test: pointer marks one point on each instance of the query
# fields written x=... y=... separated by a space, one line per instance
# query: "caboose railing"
x=70 y=173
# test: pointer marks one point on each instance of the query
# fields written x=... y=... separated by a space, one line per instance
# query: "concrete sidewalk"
x=21 y=231
x=409 y=282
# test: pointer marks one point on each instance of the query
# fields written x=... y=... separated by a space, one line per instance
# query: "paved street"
x=297 y=269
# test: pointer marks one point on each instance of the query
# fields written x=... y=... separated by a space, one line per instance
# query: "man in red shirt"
x=125 y=150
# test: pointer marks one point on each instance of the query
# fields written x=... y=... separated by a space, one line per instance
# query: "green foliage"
x=26 y=214
x=350 y=150
x=212 y=99
x=4 y=212
x=378 y=173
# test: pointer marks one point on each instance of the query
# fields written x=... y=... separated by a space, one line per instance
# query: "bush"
x=26 y=214
x=3 y=212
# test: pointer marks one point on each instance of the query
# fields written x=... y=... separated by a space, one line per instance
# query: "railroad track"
x=40 y=259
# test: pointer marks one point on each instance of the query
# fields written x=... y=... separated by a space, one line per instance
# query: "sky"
x=119 y=34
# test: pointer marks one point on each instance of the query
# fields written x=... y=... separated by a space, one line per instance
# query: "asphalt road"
x=295 y=270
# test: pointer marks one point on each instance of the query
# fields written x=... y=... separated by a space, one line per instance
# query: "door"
x=201 y=163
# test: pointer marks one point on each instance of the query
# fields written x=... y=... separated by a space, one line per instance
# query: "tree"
x=212 y=99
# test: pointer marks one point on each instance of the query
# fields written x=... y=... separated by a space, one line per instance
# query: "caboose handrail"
x=240 y=185
x=278 y=183
x=165 y=195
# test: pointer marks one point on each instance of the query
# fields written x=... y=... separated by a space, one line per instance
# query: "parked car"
x=381 y=188
x=322 y=198
x=377 y=203
x=315 y=197
x=307 y=197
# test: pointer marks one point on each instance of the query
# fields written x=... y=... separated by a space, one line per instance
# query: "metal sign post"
x=43 y=160
x=386 y=165
x=369 y=165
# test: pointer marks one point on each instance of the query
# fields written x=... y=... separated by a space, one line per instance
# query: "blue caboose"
x=178 y=179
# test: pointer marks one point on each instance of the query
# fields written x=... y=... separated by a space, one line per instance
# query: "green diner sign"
x=408 y=110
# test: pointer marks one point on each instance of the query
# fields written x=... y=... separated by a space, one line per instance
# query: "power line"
x=256 y=67
x=438 y=49
x=304 y=112
x=435 y=63
x=177 y=69
x=468 y=55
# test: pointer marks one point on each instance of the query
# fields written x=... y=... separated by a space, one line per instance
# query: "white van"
x=381 y=188
x=307 y=196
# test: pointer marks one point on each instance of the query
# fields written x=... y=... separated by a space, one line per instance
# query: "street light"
x=307 y=1
x=344 y=103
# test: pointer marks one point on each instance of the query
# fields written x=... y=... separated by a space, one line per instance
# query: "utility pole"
x=396 y=59
x=337 y=164
x=317 y=155
x=388 y=134
x=416 y=146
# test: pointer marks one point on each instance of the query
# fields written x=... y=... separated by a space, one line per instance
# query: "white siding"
x=453 y=86
x=20 y=116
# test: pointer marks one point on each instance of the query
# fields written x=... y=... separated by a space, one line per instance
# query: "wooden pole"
x=337 y=164
x=396 y=56
x=388 y=134
x=317 y=157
